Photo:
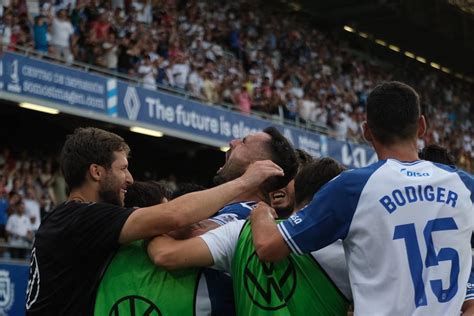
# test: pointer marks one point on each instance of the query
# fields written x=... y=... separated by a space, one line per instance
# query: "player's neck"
x=256 y=196
x=83 y=195
x=403 y=151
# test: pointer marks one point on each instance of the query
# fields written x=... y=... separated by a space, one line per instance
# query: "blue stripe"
x=112 y=110
x=288 y=239
x=112 y=93
x=466 y=178
x=408 y=163
x=217 y=221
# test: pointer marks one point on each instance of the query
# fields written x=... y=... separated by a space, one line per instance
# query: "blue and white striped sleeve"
x=232 y=213
x=328 y=217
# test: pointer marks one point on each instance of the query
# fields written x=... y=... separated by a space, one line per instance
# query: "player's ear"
x=366 y=132
x=421 y=126
x=96 y=171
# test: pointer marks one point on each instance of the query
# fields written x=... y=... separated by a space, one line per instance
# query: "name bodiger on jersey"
x=412 y=194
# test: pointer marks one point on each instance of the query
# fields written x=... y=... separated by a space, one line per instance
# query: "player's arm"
x=324 y=220
x=468 y=308
x=193 y=207
x=216 y=248
x=194 y=230
x=173 y=254
x=268 y=242
x=202 y=227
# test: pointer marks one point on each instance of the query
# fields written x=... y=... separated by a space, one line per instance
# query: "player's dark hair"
x=145 y=193
x=437 y=153
x=88 y=146
x=283 y=154
x=393 y=110
x=185 y=188
x=303 y=157
x=312 y=176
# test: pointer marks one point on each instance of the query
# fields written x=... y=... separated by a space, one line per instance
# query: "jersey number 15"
x=408 y=233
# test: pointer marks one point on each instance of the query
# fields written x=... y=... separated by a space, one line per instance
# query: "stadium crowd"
x=238 y=53
x=29 y=188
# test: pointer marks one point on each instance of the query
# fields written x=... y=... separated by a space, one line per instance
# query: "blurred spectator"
x=245 y=54
x=196 y=82
x=241 y=98
x=101 y=26
x=61 y=31
x=19 y=231
x=209 y=88
x=148 y=72
x=40 y=31
x=178 y=72
x=3 y=210
x=6 y=29
x=110 y=52
x=32 y=208
x=59 y=189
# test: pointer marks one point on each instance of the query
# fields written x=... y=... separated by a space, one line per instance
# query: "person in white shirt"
x=111 y=52
x=178 y=73
x=32 y=208
x=19 y=231
x=196 y=81
x=148 y=72
x=61 y=31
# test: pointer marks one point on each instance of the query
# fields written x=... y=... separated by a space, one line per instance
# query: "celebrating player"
x=316 y=284
x=78 y=238
x=405 y=223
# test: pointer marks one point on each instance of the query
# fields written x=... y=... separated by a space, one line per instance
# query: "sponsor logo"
x=14 y=78
x=273 y=285
x=132 y=103
x=295 y=219
x=409 y=173
x=7 y=292
x=134 y=305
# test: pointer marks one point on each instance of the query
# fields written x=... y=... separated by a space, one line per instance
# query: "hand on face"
x=259 y=171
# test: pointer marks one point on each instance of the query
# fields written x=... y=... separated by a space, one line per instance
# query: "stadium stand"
x=32 y=182
x=237 y=53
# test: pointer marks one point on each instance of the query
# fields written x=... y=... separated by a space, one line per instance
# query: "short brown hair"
x=314 y=175
x=88 y=146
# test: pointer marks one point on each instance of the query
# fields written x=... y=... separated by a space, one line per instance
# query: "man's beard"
x=228 y=173
x=108 y=192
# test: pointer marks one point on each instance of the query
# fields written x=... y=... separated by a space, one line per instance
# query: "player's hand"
x=263 y=209
x=260 y=171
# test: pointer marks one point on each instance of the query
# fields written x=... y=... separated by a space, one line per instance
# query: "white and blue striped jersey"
x=406 y=230
x=232 y=212
x=215 y=295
